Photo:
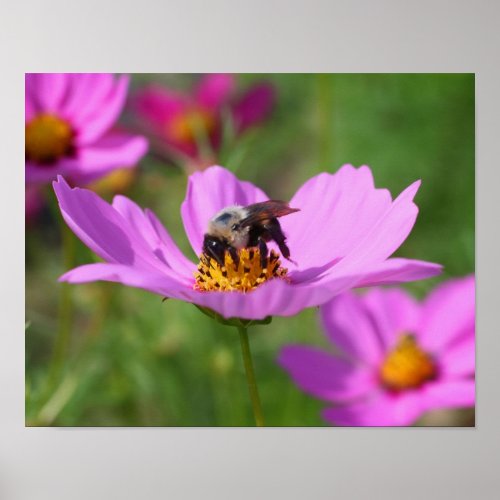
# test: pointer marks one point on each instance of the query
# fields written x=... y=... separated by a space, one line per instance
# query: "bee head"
x=225 y=225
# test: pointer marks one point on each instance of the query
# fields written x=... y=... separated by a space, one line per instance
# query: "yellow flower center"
x=48 y=138
x=188 y=126
x=407 y=366
x=245 y=276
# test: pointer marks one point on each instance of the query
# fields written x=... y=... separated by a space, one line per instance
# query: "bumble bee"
x=237 y=227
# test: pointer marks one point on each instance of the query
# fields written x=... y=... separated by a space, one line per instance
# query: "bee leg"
x=234 y=255
x=273 y=228
x=263 y=250
x=215 y=249
x=218 y=256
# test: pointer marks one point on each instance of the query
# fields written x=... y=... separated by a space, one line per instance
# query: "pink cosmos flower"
x=400 y=358
x=69 y=120
x=174 y=119
x=341 y=238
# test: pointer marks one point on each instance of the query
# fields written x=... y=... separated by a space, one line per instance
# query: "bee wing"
x=259 y=212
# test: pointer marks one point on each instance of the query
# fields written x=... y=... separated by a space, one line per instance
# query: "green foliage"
x=138 y=361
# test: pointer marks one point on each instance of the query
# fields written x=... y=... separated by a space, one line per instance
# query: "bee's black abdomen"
x=271 y=230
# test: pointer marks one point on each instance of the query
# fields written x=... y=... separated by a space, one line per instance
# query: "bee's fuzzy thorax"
x=221 y=226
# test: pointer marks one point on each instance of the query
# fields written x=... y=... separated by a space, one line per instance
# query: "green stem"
x=252 y=384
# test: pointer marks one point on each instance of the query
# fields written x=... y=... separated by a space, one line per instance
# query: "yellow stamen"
x=187 y=126
x=48 y=138
x=247 y=275
x=407 y=366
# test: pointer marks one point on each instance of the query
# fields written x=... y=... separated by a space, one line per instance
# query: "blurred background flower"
x=69 y=120
x=33 y=203
x=398 y=359
x=190 y=127
x=119 y=180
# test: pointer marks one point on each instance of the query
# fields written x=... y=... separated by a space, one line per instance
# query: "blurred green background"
x=136 y=361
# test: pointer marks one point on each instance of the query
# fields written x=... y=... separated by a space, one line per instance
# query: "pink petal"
x=96 y=223
x=114 y=150
x=209 y=192
x=158 y=105
x=34 y=174
x=355 y=228
x=255 y=106
x=393 y=313
x=146 y=225
x=379 y=410
x=159 y=283
x=459 y=360
x=176 y=257
x=349 y=326
x=29 y=107
x=323 y=375
x=86 y=95
x=386 y=235
x=449 y=394
x=47 y=90
x=105 y=115
x=388 y=272
x=448 y=312
x=336 y=213
x=214 y=90
x=366 y=262
x=395 y=270
x=104 y=230
x=31 y=103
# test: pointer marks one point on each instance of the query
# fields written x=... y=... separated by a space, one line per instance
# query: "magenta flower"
x=69 y=120
x=400 y=358
x=175 y=120
x=341 y=238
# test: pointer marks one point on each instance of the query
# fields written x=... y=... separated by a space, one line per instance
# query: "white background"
x=250 y=36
